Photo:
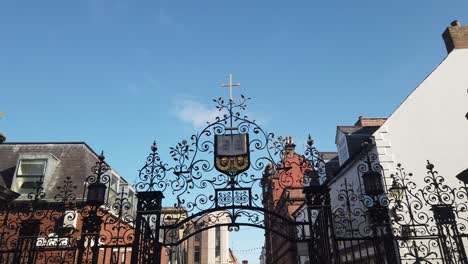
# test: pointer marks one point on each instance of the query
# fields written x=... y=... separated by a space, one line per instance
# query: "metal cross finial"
x=230 y=85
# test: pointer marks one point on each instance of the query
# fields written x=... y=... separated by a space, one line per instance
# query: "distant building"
x=210 y=246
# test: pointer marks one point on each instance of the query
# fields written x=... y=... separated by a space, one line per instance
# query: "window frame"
x=196 y=252
x=342 y=147
x=111 y=192
x=218 y=242
x=17 y=176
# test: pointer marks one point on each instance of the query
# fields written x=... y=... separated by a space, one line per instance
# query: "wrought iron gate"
x=218 y=179
x=370 y=222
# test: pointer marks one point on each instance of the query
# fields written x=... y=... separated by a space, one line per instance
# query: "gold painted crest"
x=232 y=155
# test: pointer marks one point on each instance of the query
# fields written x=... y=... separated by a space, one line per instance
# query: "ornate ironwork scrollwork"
x=195 y=186
x=409 y=216
x=350 y=218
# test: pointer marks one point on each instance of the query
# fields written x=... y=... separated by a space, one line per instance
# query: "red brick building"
x=283 y=195
x=44 y=223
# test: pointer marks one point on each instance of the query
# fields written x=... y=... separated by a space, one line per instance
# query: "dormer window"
x=30 y=175
x=34 y=171
x=113 y=191
x=343 y=153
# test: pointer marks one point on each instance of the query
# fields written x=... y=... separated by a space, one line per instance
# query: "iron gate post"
x=447 y=229
x=147 y=247
x=443 y=201
x=322 y=245
x=382 y=232
x=89 y=240
x=26 y=248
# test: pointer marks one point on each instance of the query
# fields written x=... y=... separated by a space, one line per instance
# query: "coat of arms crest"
x=232 y=155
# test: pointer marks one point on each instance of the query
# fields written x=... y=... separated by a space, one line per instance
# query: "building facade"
x=424 y=138
x=54 y=209
x=25 y=165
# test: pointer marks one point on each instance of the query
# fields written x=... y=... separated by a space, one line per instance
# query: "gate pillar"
x=147 y=248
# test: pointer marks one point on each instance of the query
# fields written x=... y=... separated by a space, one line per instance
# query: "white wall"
x=430 y=123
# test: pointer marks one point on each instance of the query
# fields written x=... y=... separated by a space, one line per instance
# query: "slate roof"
x=75 y=160
x=328 y=155
x=332 y=164
x=358 y=130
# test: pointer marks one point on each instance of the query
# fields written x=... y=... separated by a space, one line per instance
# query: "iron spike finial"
x=101 y=157
x=429 y=165
x=310 y=141
x=154 y=147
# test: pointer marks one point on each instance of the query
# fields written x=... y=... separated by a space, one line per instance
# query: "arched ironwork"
x=202 y=196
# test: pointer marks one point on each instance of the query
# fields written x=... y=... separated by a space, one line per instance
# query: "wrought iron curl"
x=350 y=218
x=436 y=192
x=99 y=171
x=410 y=214
x=152 y=175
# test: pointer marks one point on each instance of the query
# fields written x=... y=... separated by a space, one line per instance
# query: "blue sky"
x=119 y=73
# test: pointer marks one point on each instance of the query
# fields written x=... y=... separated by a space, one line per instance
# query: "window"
x=343 y=154
x=218 y=243
x=198 y=236
x=196 y=255
x=131 y=201
x=131 y=197
x=113 y=190
x=30 y=175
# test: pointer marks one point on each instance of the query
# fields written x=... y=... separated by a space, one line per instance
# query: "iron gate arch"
x=202 y=194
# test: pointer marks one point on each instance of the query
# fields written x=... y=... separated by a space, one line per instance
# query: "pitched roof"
x=358 y=130
x=233 y=257
x=75 y=160
x=328 y=155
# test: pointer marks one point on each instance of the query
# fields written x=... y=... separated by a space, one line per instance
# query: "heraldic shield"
x=232 y=155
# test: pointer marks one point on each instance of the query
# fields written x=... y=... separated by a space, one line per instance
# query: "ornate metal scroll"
x=38 y=230
x=412 y=224
x=443 y=202
x=205 y=191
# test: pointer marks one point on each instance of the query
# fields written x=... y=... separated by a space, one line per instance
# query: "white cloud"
x=195 y=113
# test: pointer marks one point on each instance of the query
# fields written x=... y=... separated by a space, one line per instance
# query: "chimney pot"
x=290 y=146
x=455 y=23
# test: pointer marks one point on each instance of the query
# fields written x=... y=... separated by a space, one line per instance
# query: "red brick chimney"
x=290 y=146
x=370 y=121
x=455 y=36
